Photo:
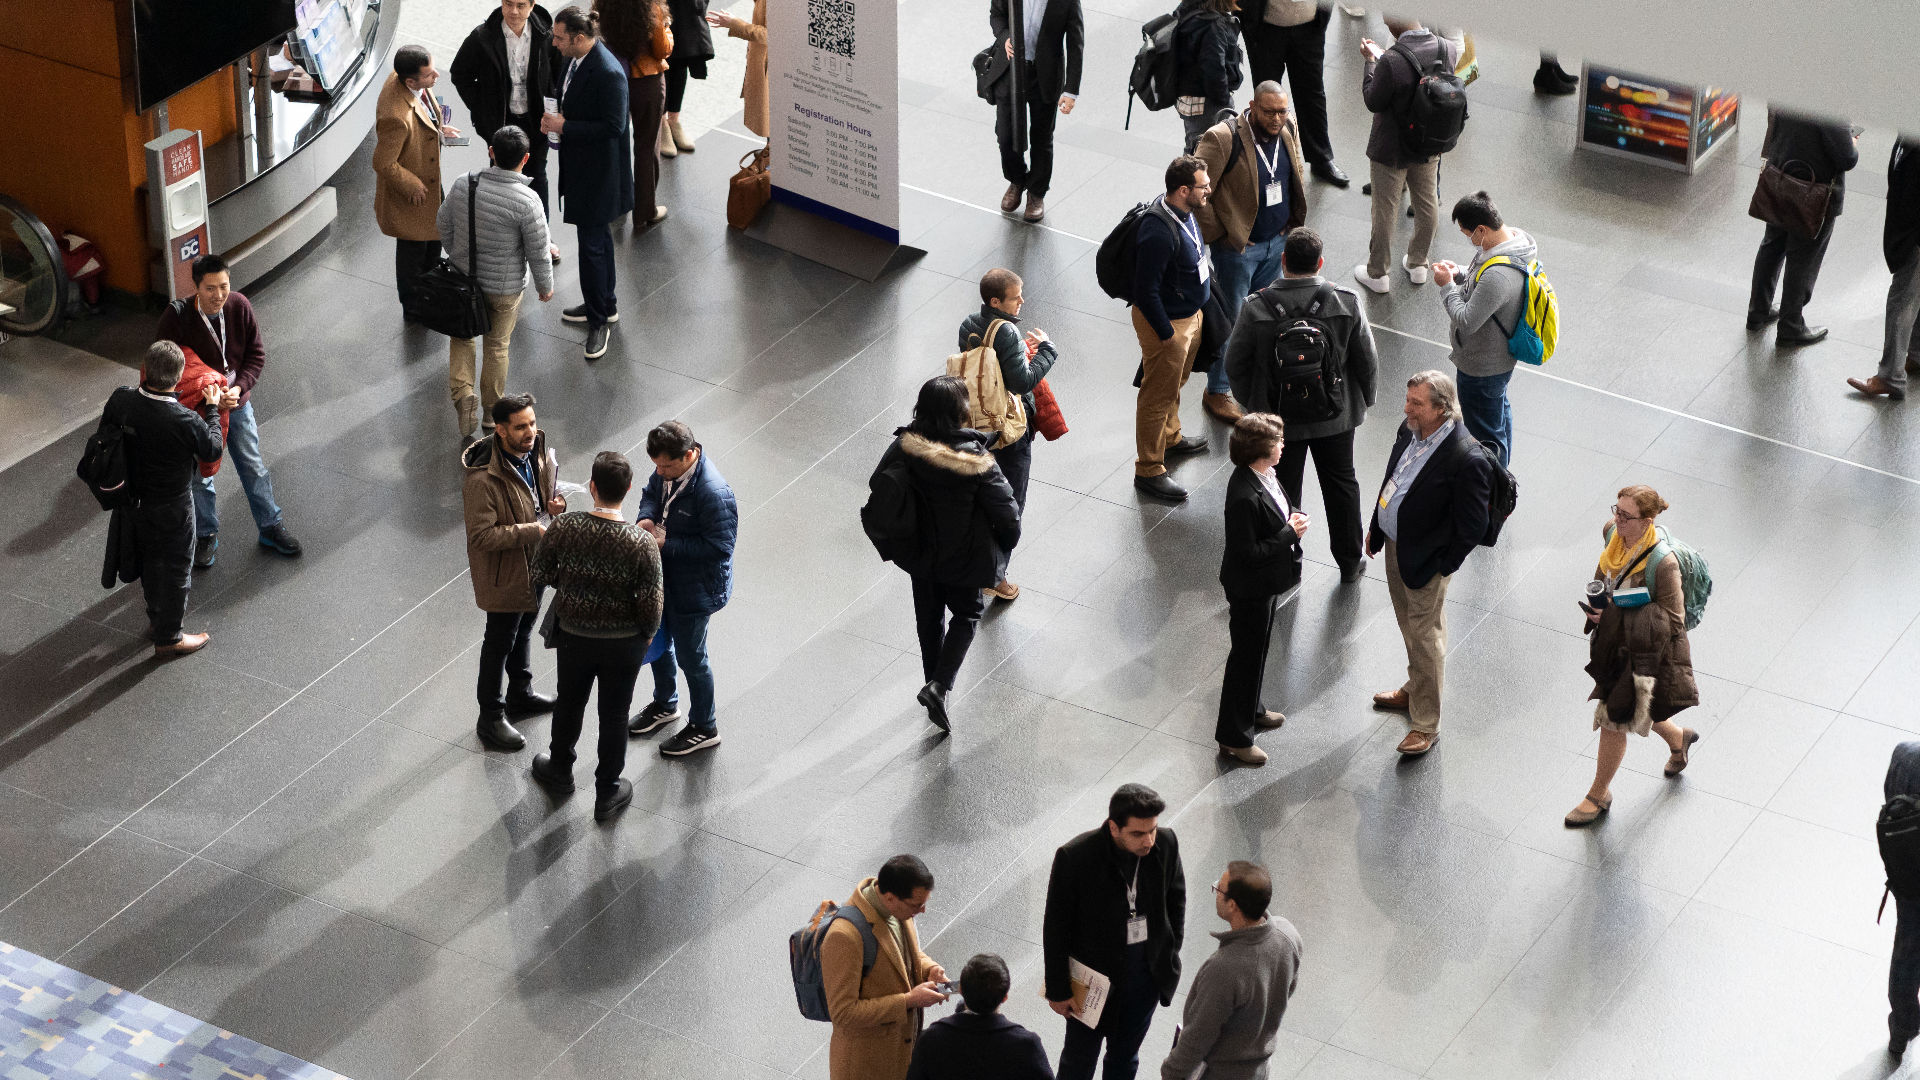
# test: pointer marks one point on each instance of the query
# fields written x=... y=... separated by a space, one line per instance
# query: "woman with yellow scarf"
x=1641 y=663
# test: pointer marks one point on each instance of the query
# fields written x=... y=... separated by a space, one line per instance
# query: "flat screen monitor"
x=176 y=43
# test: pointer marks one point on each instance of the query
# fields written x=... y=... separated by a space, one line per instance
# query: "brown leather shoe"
x=1222 y=407
x=188 y=643
x=1011 y=200
x=1249 y=755
x=1418 y=742
x=1878 y=387
x=1269 y=719
x=1036 y=209
x=1396 y=700
x=1006 y=590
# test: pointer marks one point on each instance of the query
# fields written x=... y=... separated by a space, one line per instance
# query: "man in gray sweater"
x=1484 y=306
x=510 y=237
x=1239 y=995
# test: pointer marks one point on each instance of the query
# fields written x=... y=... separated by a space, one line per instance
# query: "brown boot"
x=1036 y=209
x=1011 y=200
x=1222 y=407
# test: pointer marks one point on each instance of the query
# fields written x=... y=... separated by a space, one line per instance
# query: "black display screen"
x=176 y=43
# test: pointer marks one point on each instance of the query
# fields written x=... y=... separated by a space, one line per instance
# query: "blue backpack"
x=803 y=953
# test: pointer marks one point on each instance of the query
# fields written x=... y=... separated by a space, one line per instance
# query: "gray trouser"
x=1903 y=306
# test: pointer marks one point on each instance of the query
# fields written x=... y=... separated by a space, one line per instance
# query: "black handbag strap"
x=473 y=247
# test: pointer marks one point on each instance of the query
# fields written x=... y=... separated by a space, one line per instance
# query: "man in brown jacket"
x=877 y=1014
x=406 y=167
x=1259 y=195
x=511 y=493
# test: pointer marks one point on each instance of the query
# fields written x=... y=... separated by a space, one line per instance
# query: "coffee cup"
x=1598 y=595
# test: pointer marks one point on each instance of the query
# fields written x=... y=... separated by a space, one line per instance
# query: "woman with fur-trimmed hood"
x=1641 y=663
x=968 y=524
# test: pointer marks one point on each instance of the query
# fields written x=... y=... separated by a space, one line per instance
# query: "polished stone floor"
x=295 y=835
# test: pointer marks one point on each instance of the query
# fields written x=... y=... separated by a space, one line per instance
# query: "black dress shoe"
x=1756 y=320
x=528 y=703
x=1331 y=173
x=1191 y=444
x=543 y=772
x=934 y=697
x=1366 y=188
x=494 y=730
x=1799 y=335
x=1897 y=1046
x=1160 y=487
x=1351 y=574
x=608 y=807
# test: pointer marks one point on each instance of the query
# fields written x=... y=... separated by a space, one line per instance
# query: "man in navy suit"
x=596 y=172
x=977 y=1041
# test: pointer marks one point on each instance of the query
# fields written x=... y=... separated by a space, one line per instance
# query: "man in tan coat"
x=878 y=1015
x=512 y=490
x=406 y=167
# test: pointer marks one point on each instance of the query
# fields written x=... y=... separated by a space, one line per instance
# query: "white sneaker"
x=1377 y=284
x=1416 y=274
x=1354 y=10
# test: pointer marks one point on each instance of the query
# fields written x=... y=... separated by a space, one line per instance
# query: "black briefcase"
x=448 y=300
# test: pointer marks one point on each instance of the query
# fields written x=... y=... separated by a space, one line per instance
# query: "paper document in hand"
x=1089 y=991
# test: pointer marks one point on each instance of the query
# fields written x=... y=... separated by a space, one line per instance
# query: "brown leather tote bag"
x=1796 y=205
x=750 y=189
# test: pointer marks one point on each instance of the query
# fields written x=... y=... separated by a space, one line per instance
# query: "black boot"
x=494 y=731
x=934 y=697
x=528 y=703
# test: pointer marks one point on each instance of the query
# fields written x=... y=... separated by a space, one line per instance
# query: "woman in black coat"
x=1207 y=45
x=968 y=524
x=692 y=48
x=1261 y=562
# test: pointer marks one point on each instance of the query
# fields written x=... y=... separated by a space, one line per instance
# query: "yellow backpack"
x=1532 y=339
x=994 y=409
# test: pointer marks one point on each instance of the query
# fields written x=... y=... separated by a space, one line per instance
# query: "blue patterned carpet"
x=57 y=1024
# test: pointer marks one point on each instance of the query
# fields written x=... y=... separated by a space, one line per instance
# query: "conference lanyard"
x=220 y=335
x=1199 y=249
x=1136 y=923
x=1275 y=187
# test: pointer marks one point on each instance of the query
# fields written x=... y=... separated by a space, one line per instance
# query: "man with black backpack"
x=170 y=442
x=1899 y=835
x=1171 y=268
x=1419 y=106
x=1303 y=349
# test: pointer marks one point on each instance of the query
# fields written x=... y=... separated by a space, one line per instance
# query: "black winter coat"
x=975 y=522
x=692 y=37
x=969 y=1046
x=1087 y=910
x=480 y=75
x=1206 y=48
x=1901 y=237
x=1444 y=515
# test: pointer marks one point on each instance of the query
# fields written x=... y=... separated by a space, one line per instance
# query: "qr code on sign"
x=830 y=26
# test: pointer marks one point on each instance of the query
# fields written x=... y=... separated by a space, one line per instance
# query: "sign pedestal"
x=828 y=242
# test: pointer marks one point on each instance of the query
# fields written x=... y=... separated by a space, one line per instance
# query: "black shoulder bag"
x=448 y=301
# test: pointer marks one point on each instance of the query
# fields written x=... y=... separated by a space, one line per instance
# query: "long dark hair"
x=943 y=408
x=627 y=26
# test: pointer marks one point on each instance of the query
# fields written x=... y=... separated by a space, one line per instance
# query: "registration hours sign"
x=834 y=84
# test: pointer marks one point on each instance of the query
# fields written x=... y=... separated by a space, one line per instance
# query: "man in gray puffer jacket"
x=510 y=236
x=1484 y=308
x=1240 y=994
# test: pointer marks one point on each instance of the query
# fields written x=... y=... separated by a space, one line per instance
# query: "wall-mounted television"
x=176 y=43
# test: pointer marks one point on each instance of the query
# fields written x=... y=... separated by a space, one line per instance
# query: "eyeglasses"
x=1621 y=515
x=1218 y=889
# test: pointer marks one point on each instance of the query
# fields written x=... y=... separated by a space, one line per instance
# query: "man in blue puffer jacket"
x=689 y=508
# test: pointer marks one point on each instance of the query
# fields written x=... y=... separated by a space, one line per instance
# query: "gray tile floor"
x=296 y=836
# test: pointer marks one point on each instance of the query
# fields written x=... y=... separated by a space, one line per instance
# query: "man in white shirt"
x=504 y=71
x=1047 y=73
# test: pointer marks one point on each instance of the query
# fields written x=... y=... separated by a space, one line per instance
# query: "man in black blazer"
x=504 y=72
x=1824 y=151
x=596 y=166
x=1431 y=512
x=1261 y=562
x=1048 y=69
x=1117 y=903
x=1900 y=242
x=977 y=1041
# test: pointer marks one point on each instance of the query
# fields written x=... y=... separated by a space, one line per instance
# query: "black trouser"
x=647 y=102
x=1301 y=51
x=1339 y=489
x=596 y=271
x=1040 y=119
x=536 y=168
x=677 y=70
x=615 y=662
x=411 y=258
x=1802 y=258
x=504 y=651
x=165 y=532
x=1016 y=464
x=944 y=645
x=1250 y=630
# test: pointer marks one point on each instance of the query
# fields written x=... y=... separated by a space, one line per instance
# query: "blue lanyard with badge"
x=1411 y=457
x=1136 y=922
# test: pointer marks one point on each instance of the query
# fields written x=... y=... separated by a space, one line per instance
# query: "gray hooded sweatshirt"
x=1483 y=312
x=1235 y=1004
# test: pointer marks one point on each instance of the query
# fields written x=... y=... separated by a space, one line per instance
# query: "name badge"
x=1136 y=929
x=1276 y=193
x=1386 y=493
x=1206 y=269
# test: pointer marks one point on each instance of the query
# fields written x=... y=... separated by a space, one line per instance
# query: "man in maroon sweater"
x=218 y=325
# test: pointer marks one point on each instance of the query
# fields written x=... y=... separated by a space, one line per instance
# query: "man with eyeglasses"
x=1261 y=194
x=1232 y=1018
x=1170 y=285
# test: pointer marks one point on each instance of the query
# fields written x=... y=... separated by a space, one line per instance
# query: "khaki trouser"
x=1164 y=366
x=1423 y=181
x=1422 y=614
x=493 y=370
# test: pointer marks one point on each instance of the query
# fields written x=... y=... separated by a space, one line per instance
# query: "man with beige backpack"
x=1001 y=369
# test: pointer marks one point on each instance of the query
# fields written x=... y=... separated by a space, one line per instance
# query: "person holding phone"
x=878 y=1012
x=1629 y=641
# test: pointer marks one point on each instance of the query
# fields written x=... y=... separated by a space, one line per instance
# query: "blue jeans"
x=243 y=446
x=686 y=641
x=1483 y=402
x=1235 y=274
